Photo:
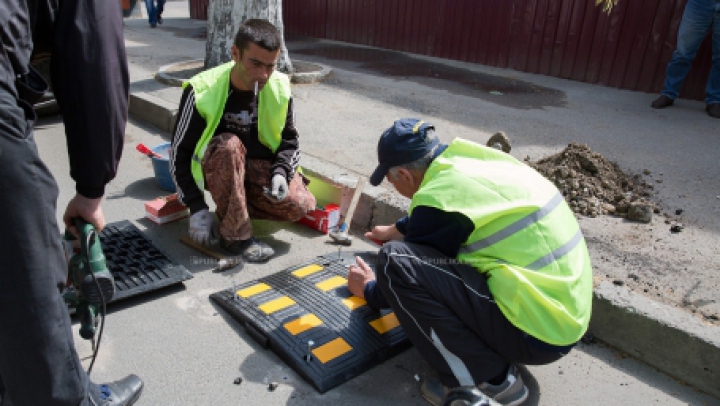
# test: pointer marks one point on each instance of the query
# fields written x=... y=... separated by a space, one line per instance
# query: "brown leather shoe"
x=662 y=102
x=713 y=110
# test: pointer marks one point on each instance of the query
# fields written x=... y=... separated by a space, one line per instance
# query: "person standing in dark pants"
x=155 y=9
x=699 y=17
x=488 y=270
x=84 y=40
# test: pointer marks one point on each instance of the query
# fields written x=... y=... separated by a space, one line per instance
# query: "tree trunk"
x=224 y=19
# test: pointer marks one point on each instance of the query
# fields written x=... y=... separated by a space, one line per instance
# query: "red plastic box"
x=322 y=219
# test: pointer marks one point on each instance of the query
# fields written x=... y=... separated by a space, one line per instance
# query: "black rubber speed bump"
x=308 y=317
x=135 y=263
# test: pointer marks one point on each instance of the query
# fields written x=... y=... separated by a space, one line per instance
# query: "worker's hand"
x=359 y=274
x=384 y=233
x=88 y=209
x=279 y=187
x=202 y=227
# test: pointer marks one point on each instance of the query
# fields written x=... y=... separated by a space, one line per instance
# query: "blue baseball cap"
x=406 y=141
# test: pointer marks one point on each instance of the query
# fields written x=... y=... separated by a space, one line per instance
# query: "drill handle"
x=87 y=313
x=90 y=247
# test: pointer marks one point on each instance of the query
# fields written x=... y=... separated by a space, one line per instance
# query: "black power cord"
x=103 y=309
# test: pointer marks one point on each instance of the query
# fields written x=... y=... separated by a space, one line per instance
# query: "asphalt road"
x=341 y=119
x=189 y=351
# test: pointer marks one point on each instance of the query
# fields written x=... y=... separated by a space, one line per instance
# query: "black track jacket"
x=89 y=75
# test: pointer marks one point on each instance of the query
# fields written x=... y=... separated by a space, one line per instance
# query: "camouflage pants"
x=236 y=185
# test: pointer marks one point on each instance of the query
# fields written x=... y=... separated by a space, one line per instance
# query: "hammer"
x=224 y=262
x=340 y=234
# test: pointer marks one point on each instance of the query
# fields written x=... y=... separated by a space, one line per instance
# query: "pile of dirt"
x=593 y=185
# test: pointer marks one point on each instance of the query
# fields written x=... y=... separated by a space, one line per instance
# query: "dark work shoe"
x=159 y=19
x=662 y=102
x=433 y=391
x=124 y=392
x=713 y=110
x=153 y=25
x=252 y=249
x=511 y=392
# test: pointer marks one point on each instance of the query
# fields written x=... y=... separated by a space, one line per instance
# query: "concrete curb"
x=168 y=74
x=315 y=75
x=664 y=337
x=153 y=110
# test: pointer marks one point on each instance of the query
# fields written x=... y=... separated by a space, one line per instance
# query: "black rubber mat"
x=135 y=263
x=308 y=317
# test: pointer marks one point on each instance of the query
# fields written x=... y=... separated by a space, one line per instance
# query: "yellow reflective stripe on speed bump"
x=276 y=304
x=331 y=283
x=303 y=323
x=253 y=290
x=331 y=350
x=308 y=270
x=385 y=323
x=353 y=302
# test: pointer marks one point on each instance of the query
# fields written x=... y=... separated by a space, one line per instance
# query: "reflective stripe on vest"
x=526 y=239
x=211 y=89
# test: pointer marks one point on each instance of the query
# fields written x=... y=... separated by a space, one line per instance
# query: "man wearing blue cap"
x=488 y=270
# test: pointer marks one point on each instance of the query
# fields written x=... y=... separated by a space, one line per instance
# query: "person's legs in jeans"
x=696 y=21
x=38 y=361
x=713 y=85
x=151 y=11
x=159 y=11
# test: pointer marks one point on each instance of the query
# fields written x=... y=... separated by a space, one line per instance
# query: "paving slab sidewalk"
x=341 y=118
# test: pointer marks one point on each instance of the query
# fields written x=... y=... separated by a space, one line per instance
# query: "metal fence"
x=571 y=39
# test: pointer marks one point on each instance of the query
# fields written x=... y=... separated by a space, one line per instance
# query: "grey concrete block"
x=665 y=337
x=153 y=110
x=176 y=73
x=309 y=72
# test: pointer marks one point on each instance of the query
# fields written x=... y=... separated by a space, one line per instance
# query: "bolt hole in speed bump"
x=309 y=318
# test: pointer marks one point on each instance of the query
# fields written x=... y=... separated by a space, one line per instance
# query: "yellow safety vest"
x=526 y=239
x=211 y=92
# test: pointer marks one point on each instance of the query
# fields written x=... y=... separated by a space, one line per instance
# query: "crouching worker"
x=235 y=136
x=488 y=270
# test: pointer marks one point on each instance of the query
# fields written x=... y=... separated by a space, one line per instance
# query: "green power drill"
x=91 y=284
